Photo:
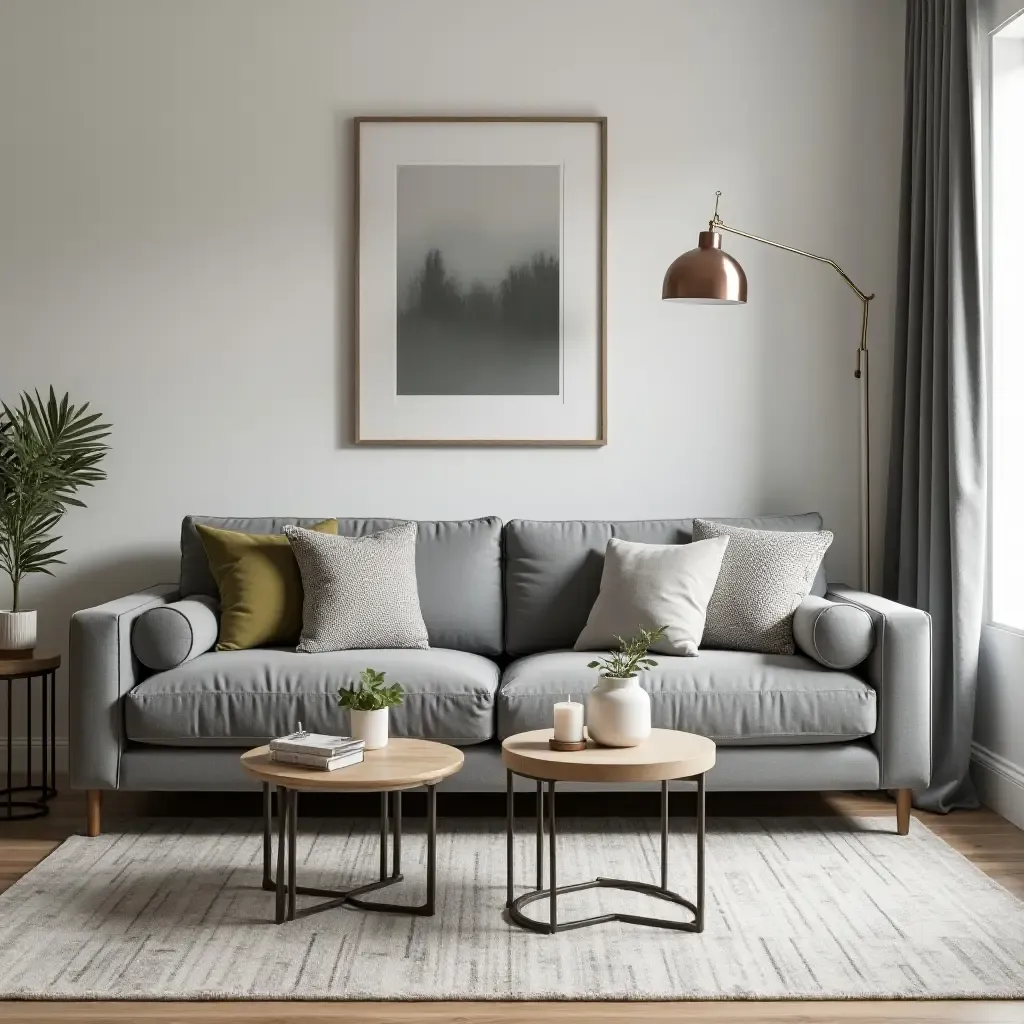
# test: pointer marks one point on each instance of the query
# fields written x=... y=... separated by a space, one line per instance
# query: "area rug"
x=797 y=909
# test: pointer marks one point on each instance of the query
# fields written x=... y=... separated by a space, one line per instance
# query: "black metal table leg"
x=701 y=834
x=268 y=882
x=428 y=907
x=282 y=826
x=293 y=815
x=10 y=745
x=664 y=834
x=510 y=838
x=540 y=835
x=43 y=728
x=286 y=887
x=28 y=732
x=396 y=833
x=662 y=892
x=53 y=733
x=383 y=836
x=553 y=867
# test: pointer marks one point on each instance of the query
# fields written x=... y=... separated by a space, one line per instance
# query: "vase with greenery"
x=618 y=708
x=49 y=450
x=368 y=707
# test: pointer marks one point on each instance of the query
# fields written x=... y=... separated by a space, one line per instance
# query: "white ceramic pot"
x=371 y=727
x=618 y=712
x=17 y=631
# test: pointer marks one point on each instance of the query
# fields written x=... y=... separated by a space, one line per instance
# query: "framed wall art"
x=480 y=281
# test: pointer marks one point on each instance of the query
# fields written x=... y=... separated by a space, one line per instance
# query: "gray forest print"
x=479 y=296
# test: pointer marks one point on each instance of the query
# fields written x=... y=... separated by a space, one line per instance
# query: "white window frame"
x=992 y=16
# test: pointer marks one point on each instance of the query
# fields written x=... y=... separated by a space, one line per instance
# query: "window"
x=1006 y=234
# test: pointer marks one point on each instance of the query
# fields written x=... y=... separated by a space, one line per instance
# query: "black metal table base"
x=285 y=887
x=31 y=799
x=660 y=891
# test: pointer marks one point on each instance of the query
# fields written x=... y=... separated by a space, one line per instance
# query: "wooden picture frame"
x=444 y=357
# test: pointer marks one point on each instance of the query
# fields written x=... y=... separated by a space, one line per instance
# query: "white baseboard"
x=1000 y=783
x=19 y=749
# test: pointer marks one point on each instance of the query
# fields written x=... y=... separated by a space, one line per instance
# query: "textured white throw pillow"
x=358 y=592
x=651 y=585
x=765 y=575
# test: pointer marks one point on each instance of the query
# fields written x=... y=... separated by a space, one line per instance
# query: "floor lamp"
x=707 y=274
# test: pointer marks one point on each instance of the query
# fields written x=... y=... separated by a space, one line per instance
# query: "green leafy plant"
x=373 y=693
x=631 y=657
x=49 y=450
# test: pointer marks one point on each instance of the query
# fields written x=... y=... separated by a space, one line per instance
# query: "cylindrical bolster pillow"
x=834 y=634
x=174 y=633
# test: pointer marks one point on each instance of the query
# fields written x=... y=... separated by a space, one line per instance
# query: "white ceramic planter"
x=371 y=727
x=618 y=712
x=17 y=631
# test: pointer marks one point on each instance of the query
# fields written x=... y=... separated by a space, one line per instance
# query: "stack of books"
x=314 y=750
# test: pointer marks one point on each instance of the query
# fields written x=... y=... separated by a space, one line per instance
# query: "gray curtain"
x=935 y=538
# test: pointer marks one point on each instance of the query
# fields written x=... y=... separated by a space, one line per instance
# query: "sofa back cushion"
x=553 y=570
x=458 y=571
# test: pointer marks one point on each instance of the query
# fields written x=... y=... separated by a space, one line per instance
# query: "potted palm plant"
x=618 y=708
x=368 y=707
x=49 y=450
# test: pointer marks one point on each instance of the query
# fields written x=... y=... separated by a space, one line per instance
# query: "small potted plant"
x=49 y=450
x=368 y=707
x=618 y=709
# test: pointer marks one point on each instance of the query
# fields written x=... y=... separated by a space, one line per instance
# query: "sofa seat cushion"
x=733 y=697
x=244 y=698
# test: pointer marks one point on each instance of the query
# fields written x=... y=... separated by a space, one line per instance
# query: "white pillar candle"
x=568 y=721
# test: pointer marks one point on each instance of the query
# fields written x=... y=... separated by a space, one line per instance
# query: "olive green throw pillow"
x=260 y=586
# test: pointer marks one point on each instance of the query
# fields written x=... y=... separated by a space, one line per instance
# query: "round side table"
x=31 y=798
x=402 y=765
x=665 y=755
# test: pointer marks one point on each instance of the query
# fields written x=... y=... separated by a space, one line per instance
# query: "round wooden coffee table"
x=664 y=756
x=403 y=764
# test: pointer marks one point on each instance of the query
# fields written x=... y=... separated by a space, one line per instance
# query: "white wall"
x=175 y=246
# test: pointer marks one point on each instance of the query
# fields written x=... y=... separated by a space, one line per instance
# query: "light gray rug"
x=797 y=908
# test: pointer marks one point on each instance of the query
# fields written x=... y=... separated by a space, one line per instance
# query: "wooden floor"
x=996 y=846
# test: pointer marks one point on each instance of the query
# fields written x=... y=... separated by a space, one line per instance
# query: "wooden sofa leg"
x=94 y=804
x=903 y=797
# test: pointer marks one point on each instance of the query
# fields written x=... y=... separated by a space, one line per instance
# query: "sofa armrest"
x=900 y=670
x=102 y=670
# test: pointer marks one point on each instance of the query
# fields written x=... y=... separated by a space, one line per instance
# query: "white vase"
x=371 y=727
x=618 y=712
x=17 y=631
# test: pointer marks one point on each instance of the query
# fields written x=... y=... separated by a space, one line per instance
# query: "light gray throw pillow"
x=835 y=634
x=651 y=585
x=358 y=592
x=765 y=575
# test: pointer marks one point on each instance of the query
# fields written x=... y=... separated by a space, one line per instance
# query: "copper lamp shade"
x=705 y=274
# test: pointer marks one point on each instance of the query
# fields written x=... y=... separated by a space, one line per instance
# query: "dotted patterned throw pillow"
x=765 y=575
x=358 y=592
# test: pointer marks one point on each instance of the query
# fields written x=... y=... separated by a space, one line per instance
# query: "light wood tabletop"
x=402 y=764
x=665 y=754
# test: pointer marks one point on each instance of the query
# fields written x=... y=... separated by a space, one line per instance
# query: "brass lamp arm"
x=717 y=224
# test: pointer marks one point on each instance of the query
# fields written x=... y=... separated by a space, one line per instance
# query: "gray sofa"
x=503 y=606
